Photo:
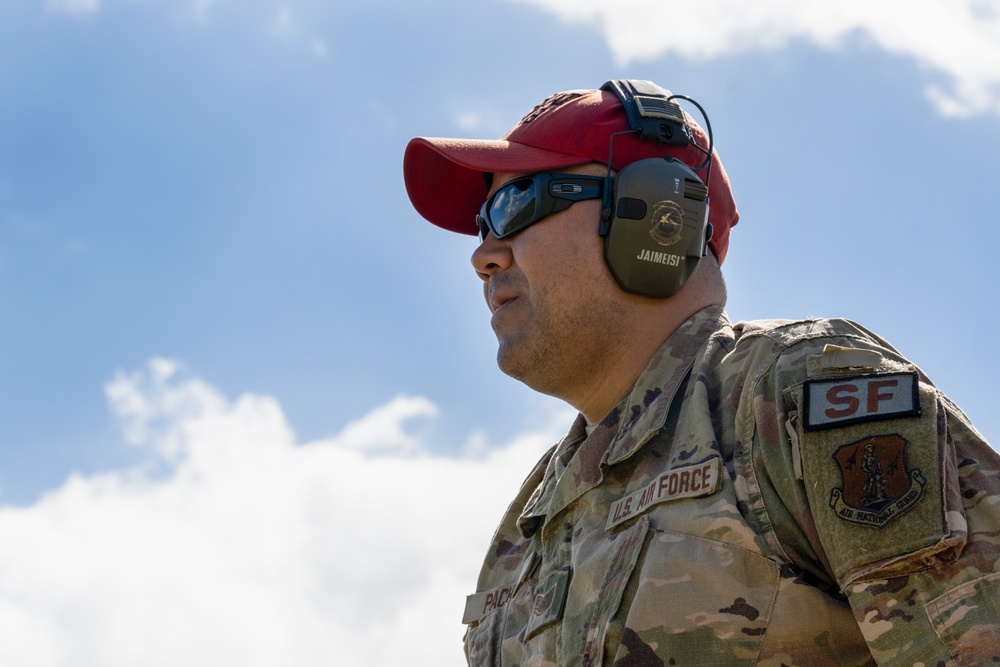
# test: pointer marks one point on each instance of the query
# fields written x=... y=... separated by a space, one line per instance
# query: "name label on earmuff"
x=666 y=258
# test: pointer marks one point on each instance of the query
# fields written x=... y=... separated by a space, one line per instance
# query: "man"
x=766 y=493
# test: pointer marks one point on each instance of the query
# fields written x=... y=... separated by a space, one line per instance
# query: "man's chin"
x=518 y=362
x=504 y=355
x=511 y=358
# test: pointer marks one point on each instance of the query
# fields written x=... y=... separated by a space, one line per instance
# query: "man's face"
x=554 y=302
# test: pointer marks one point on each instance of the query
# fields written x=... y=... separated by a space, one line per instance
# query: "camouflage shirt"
x=769 y=493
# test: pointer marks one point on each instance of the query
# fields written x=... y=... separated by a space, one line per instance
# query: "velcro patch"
x=700 y=479
x=834 y=402
x=548 y=602
x=478 y=605
x=878 y=484
x=875 y=489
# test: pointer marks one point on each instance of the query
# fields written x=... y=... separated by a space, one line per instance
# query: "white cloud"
x=285 y=26
x=73 y=6
x=319 y=47
x=202 y=7
x=236 y=546
x=480 y=117
x=959 y=39
x=284 y=21
x=468 y=120
x=198 y=8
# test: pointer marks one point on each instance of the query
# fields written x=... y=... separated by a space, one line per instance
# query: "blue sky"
x=203 y=227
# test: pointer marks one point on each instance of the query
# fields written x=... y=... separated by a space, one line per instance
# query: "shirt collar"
x=626 y=428
x=644 y=411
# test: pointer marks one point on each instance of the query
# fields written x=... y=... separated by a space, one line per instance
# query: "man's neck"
x=622 y=368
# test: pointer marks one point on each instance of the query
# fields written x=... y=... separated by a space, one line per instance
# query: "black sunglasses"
x=524 y=201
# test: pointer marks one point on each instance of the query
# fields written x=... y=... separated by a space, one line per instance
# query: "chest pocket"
x=698 y=602
x=522 y=630
x=481 y=640
x=560 y=616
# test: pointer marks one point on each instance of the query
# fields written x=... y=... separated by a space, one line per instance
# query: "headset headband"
x=651 y=112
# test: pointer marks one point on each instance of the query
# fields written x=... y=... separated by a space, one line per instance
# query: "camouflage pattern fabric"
x=770 y=493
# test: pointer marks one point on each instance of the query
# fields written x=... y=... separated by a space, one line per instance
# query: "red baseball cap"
x=444 y=177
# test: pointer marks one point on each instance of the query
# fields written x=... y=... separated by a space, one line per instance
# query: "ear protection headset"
x=654 y=216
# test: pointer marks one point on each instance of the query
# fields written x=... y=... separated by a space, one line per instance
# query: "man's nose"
x=491 y=256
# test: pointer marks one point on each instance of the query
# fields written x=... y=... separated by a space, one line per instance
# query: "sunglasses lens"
x=511 y=208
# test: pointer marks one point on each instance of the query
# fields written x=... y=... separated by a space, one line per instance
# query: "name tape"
x=478 y=605
x=701 y=479
x=860 y=398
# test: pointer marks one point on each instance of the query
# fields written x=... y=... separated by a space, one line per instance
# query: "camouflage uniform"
x=770 y=493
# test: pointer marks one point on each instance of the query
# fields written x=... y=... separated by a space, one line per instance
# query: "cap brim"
x=444 y=177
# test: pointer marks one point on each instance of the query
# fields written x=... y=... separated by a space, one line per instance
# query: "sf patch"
x=836 y=402
x=875 y=487
x=877 y=484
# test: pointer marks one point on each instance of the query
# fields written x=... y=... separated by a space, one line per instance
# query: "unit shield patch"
x=877 y=484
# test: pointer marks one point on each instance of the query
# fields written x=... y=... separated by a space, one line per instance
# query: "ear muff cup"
x=659 y=230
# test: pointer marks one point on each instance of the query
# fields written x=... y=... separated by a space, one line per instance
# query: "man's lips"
x=499 y=293
x=499 y=299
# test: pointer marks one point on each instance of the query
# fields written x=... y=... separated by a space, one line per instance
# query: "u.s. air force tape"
x=689 y=481
x=833 y=402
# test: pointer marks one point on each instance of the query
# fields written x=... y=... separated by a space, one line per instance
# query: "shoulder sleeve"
x=876 y=483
